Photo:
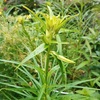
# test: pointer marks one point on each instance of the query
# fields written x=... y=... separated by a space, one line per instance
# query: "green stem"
x=47 y=67
x=62 y=71
x=47 y=64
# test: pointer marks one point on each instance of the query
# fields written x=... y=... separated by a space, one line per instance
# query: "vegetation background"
x=49 y=50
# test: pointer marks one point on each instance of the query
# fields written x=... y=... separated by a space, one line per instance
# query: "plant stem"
x=47 y=63
x=47 y=66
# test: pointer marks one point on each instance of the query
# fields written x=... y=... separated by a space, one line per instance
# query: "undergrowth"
x=50 y=53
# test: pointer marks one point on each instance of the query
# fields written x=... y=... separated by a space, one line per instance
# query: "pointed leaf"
x=64 y=20
x=59 y=45
x=62 y=58
x=38 y=50
x=82 y=64
x=89 y=47
x=50 y=12
x=41 y=92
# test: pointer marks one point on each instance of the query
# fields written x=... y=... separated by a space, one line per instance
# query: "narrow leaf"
x=62 y=58
x=35 y=15
x=38 y=50
x=89 y=47
x=65 y=20
x=92 y=31
x=50 y=12
x=59 y=45
x=41 y=92
x=82 y=64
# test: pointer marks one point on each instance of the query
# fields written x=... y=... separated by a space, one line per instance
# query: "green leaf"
x=41 y=92
x=50 y=12
x=64 y=30
x=38 y=50
x=92 y=31
x=52 y=71
x=34 y=14
x=82 y=64
x=55 y=42
x=10 y=85
x=59 y=44
x=27 y=73
x=62 y=58
x=86 y=92
x=36 y=17
x=65 y=20
x=89 y=47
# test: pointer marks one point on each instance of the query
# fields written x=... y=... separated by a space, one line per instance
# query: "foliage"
x=52 y=53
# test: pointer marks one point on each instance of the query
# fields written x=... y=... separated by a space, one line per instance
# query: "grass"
x=46 y=55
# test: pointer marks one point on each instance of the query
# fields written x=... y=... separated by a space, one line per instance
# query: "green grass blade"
x=59 y=45
x=82 y=65
x=26 y=72
x=41 y=92
x=89 y=47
